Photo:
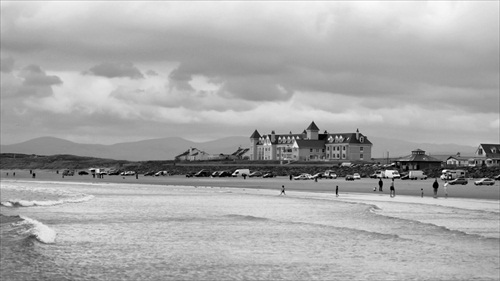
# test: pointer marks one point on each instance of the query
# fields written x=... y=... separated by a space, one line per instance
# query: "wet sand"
x=364 y=186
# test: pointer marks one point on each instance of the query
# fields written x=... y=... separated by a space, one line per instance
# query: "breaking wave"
x=24 y=228
x=27 y=203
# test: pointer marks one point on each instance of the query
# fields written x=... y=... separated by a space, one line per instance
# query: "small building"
x=418 y=160
x=193 y=154
x=487 y=155
x=460 y=161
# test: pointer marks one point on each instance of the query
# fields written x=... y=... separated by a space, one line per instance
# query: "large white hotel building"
x=310 y=145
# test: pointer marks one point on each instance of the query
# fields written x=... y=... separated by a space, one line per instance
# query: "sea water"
x=150 y=232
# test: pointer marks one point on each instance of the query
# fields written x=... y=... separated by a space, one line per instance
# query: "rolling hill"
x=168 y=148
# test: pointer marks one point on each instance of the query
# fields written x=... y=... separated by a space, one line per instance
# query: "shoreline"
x=363 y=186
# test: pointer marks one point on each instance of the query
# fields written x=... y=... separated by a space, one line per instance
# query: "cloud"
x=116 y=70
x=34 y=76
x=7 y=64
x=151 y=73
x=269 y=63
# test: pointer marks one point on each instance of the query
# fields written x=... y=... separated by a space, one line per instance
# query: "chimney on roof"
x=458 y=154
x=357 y=134
x=273 y=136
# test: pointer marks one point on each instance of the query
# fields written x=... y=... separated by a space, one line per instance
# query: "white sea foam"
x=26 y=203
x=38 y=230
x=6 y=204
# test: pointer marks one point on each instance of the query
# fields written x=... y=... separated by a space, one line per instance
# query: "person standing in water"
x=282 y=190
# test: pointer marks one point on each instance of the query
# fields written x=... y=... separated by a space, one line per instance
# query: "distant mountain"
x=168 y=148
x=155 y=149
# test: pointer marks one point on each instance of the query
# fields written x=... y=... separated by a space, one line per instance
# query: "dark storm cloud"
x=34 y=76
x=116 y=70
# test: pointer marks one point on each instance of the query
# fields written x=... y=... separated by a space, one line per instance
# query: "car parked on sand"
x=497 y=178
x=329 y=174
x=349 y=178
x=161 y=173
x=268 y=175
x=377 y=174
x=68 y=173
x=151 y=173
x=221 y=174
x=81 y=173
x=405 y=176
x=462 y=181
x=303 y=177
x=485 y=181
x=256 y=174
x=356 y=176
x=203 y=173
x=317 y=176
x=190 y=174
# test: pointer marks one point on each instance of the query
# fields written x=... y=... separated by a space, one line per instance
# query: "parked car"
x=356 y=176
x=417 y=174
x=497 y=178
x=221 y=174
x=203 y=173
x=161 y=173
x=317 y=176
x=127 y=173
x=405 y=176
x=114 y=172
x=303 y=177
x=255 y=174
x=268 y=175
x=329 y=174
x=462 y=181
x=190 y=174
x=485 y=181
x=81 y=173
x=349 y=178
x=68 y=173
x=149 y=173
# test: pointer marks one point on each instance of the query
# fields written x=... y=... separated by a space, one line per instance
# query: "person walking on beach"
x=380 y=185
x=393 y=191
x=337 y=191
x=422 y=192
x=445 y=189
x=282 y=190
x=435 y=186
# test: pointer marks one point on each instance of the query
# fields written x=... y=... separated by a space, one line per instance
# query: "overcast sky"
x=110 y=72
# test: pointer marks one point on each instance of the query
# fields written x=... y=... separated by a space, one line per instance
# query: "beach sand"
x=363 y=186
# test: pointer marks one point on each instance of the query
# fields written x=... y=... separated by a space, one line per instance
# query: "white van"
x=391 y=174
x=414 y=175
x=452 y=174
x=241 y=172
